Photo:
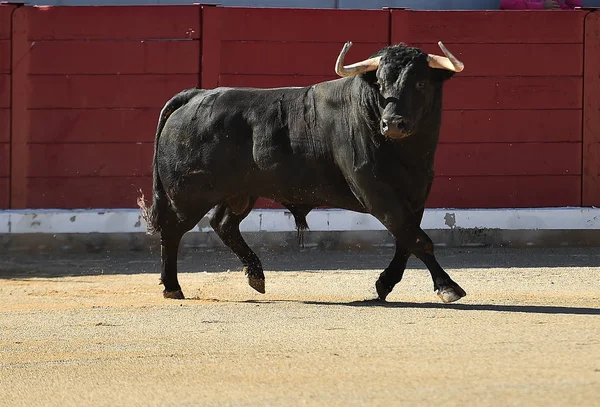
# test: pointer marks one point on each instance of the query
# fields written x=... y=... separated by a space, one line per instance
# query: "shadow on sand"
x=214 y=261
x=530 y=309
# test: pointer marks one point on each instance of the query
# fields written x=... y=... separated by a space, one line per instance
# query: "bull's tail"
x=160 y=200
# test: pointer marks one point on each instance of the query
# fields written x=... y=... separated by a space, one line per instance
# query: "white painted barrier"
x=278 y=220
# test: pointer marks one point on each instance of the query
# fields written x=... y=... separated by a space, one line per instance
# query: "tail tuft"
x=149 y=214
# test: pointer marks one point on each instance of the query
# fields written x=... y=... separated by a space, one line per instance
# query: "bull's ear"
x=370 y=77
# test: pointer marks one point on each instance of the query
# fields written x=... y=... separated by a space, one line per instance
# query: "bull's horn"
x=449 y=62
x=367 y=65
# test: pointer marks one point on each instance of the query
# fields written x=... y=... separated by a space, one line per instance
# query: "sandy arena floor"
x=94 y=330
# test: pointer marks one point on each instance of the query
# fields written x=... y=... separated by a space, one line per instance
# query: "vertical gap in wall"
x=201 y=35
x=582 y=180
x=389 y=26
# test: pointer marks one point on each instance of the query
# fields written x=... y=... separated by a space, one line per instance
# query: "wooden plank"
x=115 y=57
x=82 y=193
x=4 y=193
x=210 y=63
x=263 y=203
x=461 y=93
x=4 y=90
x=458 y=159
x=494 y=192
x=5 y=16
x=468 y=126
x=271 y=81
x=591 y=113
x=306 y=25
x=514 y=93
x=493 y=126
x=4 y=56
x=93 y=125
x=113 y=22
x=4 y=125
x=4 y=160
x=288 y=58
x=483 y=27
x=106 y=91
x=505 y=192
x=459 y=192
x=19 y=118
x=515 y=59
x=90 y=160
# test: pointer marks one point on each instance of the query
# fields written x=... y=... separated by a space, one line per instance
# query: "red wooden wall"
x=5 y=35
x=591 y=110
x=512 y=124
x=519 y=129
x=91 y=83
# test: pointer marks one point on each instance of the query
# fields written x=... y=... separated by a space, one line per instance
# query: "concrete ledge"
x=325 y=220
x=124 y=230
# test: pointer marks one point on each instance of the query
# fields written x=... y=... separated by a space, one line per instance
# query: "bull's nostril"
x=402 y=124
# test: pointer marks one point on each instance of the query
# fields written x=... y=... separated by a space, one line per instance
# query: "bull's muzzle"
x=395 y=127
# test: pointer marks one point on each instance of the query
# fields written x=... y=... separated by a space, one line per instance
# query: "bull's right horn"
x=367 y=65
x=449 y=62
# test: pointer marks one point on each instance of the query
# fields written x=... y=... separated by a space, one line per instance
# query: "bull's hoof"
x=451 y=294
x=254 y=281
x=174 y=295
x=382 y=290
x=257 y=283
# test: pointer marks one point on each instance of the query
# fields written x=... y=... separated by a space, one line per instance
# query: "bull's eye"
x=420 y=85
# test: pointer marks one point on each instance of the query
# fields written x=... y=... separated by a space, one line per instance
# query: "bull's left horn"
x=449 y=62
x=367 y=65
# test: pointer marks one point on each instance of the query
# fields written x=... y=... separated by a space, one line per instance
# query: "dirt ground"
x=94 y=330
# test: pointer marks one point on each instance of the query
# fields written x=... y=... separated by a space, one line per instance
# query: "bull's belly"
x=329 y=195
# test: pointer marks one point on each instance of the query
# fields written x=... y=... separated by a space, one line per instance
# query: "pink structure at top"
x=536 y=4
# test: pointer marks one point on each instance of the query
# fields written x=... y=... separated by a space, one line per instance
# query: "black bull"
x=365 y=143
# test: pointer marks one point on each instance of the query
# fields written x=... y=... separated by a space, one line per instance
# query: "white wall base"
x=279 y=220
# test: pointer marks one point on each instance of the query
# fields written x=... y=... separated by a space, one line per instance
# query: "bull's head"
x=408 y=81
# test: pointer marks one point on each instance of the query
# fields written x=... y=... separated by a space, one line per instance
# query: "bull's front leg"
x=411 y=239
x=392 y=273
x=443 y=285
x=398 y=217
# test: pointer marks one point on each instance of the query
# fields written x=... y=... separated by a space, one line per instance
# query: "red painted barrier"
x=284 y=47
x=511 y=135
x=93 y=80
x=591 y=112
x=5 y=103
x=520 y=129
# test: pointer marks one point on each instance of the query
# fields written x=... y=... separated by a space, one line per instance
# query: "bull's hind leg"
x=172 y=230
x=226 y=223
